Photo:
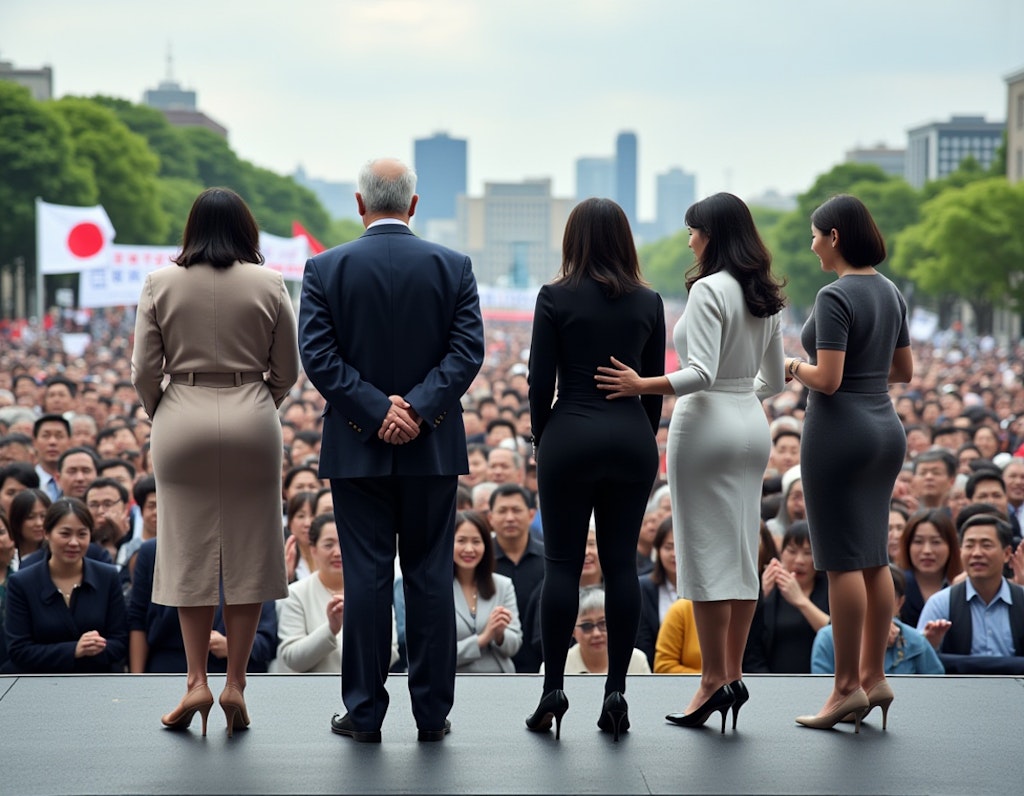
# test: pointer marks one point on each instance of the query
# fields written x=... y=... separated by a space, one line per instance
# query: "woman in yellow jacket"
x=677 y=650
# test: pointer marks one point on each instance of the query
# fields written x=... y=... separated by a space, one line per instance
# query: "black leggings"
x=618 y=508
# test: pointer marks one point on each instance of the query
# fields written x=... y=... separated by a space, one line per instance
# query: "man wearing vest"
x=977 y=625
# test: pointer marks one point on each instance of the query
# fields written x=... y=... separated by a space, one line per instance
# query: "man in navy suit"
x=390 y=333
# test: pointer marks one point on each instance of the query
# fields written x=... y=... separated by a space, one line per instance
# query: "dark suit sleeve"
x=446 y=383
x=114 y=628
x=141 y=594
x=652 y=363
x=264 y=646
x=25 y=653
x=339 y=383
x=543 y=362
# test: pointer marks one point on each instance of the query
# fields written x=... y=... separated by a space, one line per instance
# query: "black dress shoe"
x=342 y=725
x=435 y=735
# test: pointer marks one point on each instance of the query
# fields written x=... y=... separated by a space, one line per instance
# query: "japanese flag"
x=72 y=239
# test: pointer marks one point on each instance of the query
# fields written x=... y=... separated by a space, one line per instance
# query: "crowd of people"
x=72 y=427
x=566 y=502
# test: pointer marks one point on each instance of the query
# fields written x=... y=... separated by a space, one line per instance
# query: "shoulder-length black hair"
x=734 y=245
x=664 y=532
x=21 y=506
x=860 y=243
x=220 y=231
x=598 y=244
x=484 y=572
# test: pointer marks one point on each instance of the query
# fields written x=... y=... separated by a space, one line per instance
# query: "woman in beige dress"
x=215 y=324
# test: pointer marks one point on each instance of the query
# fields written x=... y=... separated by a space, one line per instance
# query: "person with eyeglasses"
x=107 y=501
x=589 y=655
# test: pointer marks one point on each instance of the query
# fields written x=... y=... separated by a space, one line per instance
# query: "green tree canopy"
x=124 y=167
x=665 y=262
x=36 y=160
x=169 y=143
x=969 y=242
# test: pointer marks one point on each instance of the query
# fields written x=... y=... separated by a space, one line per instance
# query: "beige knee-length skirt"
x=216 y=456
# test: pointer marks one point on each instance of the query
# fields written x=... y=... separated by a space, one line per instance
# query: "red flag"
x=315 y=246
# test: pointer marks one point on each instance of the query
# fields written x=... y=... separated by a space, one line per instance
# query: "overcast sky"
x=747 y=94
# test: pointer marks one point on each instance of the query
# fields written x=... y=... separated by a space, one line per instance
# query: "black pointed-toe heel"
x=741 y=695
x=718 y=702
x=552 y=706
x=614 y=715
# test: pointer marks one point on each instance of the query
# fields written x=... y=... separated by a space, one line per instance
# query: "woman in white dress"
x=310 y=618
x=487 y=628
x=729 y=343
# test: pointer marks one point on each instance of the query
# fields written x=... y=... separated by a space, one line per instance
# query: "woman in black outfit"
x=593 y=455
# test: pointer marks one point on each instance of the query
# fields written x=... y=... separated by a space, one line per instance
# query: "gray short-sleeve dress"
x=853 y=443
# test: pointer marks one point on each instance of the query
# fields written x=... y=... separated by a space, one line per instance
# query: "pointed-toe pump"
x=614 y=715
x=198 y=699
x=552 y=707
x=741 y=695
x=855 y=704
x=232 y=702
x=718 y=702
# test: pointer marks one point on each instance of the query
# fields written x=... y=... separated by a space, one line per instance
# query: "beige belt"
x=194 y=379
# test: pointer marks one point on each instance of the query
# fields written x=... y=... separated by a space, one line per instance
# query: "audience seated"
x=907 y=651
x=657 y=591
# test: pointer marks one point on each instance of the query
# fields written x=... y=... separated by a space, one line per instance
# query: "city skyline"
x=746 y=97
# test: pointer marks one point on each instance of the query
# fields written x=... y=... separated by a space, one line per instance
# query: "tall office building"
x=935 y=150
x=440 y=163
x=676 y=190
x=891 y=161
x=625 y=174
x=513 y=233
x=1015 y=126
x=595 y=177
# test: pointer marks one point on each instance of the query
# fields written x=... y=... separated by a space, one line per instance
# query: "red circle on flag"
x=85 y=239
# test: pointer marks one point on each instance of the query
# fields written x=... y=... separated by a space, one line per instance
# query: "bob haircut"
x=860 y=242
x=483 y=575
x=944 y=525
x=797 y=533
x=64 y=506
x=21 y=506
x=598 y=244
x=220 y=231
x=734 y=245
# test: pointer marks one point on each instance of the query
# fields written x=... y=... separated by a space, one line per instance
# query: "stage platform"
x=101 y=735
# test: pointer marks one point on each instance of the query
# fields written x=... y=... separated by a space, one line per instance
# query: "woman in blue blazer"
x=66 y=614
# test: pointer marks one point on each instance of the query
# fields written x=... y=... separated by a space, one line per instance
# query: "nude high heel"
x=880 y=695
x=233 y=704
x=855 y=704
x=198 y=699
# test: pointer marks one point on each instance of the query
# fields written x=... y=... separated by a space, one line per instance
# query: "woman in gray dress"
x=853 y=447
x=215 y=324
x=730 y=344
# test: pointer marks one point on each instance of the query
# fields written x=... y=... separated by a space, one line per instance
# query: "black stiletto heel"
x=719 y=702
x=741 y=694
x=614 y=715
x=552 y=706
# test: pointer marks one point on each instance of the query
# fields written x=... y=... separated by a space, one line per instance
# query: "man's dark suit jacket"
x=42 y=632
x=390 y=314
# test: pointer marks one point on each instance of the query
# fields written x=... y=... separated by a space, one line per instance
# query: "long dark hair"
x=598 y=244
x=220 y=230
x=734 y=245
x=944 y=525
x=483 y=575
x=860 y=242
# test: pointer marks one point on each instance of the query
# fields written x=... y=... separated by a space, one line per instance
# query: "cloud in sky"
x=748 y=95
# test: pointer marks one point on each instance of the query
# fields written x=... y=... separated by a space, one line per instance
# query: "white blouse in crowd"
x=306 y=643
x=574 y=663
